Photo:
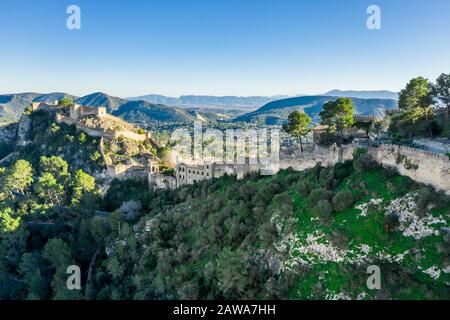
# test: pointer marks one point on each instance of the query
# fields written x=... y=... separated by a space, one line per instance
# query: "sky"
x=217 y=47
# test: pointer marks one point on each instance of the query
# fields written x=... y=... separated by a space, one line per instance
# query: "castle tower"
x=152 y=170
x=75 y=111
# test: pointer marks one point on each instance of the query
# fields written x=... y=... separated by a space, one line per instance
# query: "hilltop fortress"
x=96 y=122
x=420 y=165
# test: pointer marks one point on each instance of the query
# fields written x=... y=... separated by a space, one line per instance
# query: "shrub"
x=342 y=170
x=428 y=198
x=363 y=162
x=65 y=102
x=392 y=221
x=303 y=188
x=319 y=194
x=358 y=152
x=343 y=200
x=322 y=209
x=338 y=238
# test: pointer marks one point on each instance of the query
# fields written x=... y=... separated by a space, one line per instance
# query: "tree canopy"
x=338 y=115
x=440 y=91
x=297 y=125
x=416 y=95
x=67 y=101
x=18 y=178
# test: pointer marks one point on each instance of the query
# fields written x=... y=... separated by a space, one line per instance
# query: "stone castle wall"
x=306 y=160
x=434 y=145
x=131 y=135
x=161 y=181
x=98 y=133
x=420 y=165
x=122 y=171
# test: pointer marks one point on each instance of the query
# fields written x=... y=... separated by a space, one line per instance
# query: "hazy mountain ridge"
x=365 y=94
x=143 y=112
x=208 y=101
x=276 y=112
x=100 y=99
x=12 y=106
x=156 y=108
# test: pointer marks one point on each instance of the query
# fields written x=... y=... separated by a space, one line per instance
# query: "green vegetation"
x=293 y=235
x=298 y=235
x=419 y=119
x=65 y=102
x=338 y=115
x=79 y=150
x=297 y=125
x=440 y=91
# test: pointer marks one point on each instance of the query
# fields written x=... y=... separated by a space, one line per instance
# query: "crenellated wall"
x=420 y=165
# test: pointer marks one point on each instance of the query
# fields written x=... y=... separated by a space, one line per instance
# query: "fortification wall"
x=420 y=165
x=434 y=145
x=131 y=135
x=98 y=133
x=160 y=181
x=306 y=160
x=101 y=132
x=121 y=171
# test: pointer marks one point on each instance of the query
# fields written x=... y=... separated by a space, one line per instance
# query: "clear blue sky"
x=220 y=47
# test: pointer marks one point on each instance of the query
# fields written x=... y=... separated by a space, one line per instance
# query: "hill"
x=294 y=235
x=12 y=105
x=205 y=101
x=102 y=99
x=141 y=112
x=145 y=113
x=276 y=112
x=378 y=94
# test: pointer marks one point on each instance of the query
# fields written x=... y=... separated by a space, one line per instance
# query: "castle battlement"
x=364 y=118
x=414 y=151
x=420 y=165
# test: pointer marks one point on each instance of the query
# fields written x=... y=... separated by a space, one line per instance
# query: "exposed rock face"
x=23 y=130
x=8 y=133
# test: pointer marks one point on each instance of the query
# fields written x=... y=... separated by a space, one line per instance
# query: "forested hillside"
x=298 y=235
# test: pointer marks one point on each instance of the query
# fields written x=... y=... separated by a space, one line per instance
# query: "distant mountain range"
x=227 y=102
x=12 y=105
x=276 y=112
x=102 y=99
x=142 y=112
x=253 y=101
x=158 y=108
x=380 y=94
